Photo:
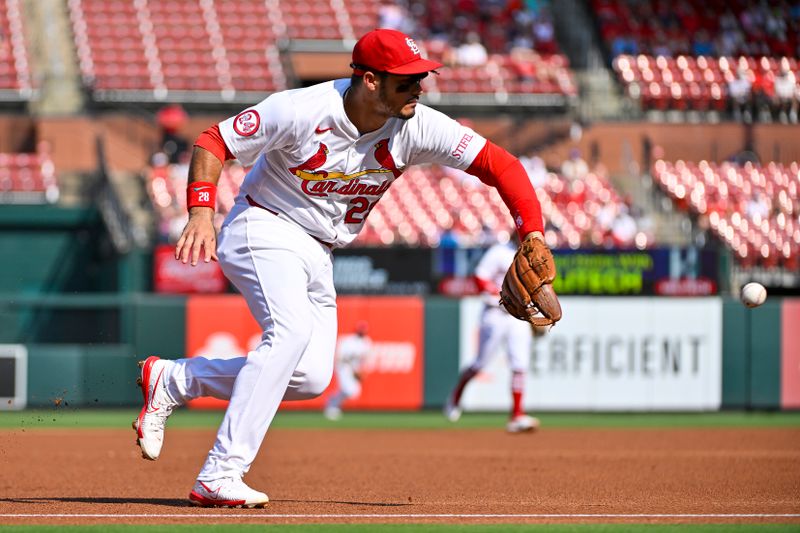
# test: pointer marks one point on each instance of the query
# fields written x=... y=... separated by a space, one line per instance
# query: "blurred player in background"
x=351 y=352
x=321 y=157
x=498 y=331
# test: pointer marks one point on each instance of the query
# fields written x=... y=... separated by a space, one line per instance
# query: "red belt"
x=256 y=204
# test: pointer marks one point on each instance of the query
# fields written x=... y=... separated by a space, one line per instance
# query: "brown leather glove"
x=528 y=285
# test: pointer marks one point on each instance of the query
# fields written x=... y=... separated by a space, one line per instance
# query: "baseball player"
x=351 y=352
x=498 y=330
x=321 y=157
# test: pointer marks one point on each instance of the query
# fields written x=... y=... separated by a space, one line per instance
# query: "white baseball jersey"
x=498 y=329
x=311 y=165
x=352 y=350
x=493 y=266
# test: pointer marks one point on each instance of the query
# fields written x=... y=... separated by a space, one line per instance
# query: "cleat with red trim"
x=226 y=492
x=158 y=405
x=522 y=424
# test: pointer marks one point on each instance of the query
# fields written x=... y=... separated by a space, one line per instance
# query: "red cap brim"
x=418 y=66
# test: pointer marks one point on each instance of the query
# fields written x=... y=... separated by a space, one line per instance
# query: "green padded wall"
x=159 y=326
x=735 y=350
x=109 y=376
x=78 y=375
x=441 y=348
x=55 y=375
x=765 y=355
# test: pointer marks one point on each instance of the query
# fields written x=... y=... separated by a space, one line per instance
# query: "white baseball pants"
x=286 y=277
x=499 y=330
x=349 y=385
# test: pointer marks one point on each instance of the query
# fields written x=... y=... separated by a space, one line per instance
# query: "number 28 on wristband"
x=201 y=194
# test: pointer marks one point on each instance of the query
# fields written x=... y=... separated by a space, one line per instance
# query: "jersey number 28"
x=358 y=210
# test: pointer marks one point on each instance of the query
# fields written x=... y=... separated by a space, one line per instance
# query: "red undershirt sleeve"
x=497 y=168
x=484 y=285
x=212 y=140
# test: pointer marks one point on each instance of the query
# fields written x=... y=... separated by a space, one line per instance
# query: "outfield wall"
x=620 y=353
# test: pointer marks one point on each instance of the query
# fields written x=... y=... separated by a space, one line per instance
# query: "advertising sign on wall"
x=616 y=354
x=664 y=271
x=790 y=354
x=383 y=271
x=221 y=326
x=172 y=276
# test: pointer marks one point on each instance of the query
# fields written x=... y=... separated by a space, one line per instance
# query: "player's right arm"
x=243 y=137
x=199 y=236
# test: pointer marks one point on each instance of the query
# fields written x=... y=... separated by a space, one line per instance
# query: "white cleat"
x=158 y=405
x=522 y=424
x=451 y=411
x=226 y=492
x=332 y=413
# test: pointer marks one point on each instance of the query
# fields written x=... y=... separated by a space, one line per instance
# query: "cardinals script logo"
x=321 y=183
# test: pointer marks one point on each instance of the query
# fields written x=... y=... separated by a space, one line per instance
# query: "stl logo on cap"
x=412 y=45
x=392 y=51
x=247 y=122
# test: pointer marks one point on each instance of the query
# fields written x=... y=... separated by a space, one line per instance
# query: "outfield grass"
x=184 y=418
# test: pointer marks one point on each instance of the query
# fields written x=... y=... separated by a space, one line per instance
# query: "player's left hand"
x=528 y=285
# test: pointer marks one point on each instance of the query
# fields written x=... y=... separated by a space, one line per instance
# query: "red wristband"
x=201 y=194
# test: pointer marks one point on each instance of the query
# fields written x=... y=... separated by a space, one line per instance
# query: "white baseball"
x=753 y=294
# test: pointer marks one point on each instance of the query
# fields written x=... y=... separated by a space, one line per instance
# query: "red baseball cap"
x=390 y=51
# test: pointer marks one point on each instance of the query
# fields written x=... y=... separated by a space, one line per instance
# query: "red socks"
x=517 y=387
x=466 y=375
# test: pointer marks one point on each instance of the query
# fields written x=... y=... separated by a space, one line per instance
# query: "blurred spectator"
x=394 y=16
x=624 y=44
x=544 y=35
x=450 y=237
x=575 y=131
x=786 y=95
x=763 y=91
x=739 y=91
x=758 y=205
x=661 y=45
x=623 y=228
x=171 y=119
x=604 y=219
x=702 y=45
x=536 y=169
x=575 y=167
x=471 y=53
x=730 y=38
x=523 y=62
x=687 y=17
x=486 y=237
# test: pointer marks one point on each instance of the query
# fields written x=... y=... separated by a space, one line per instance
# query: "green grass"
x=183 y=418
x=416 y=528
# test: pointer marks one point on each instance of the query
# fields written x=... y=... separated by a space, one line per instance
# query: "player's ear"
x=371 y=80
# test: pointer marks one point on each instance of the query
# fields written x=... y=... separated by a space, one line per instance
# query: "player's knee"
x=317 y=383
x=308 y=385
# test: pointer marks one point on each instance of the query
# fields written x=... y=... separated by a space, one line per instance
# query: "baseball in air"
x=753 y=294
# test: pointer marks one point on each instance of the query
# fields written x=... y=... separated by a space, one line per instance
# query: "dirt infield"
x=447 y=476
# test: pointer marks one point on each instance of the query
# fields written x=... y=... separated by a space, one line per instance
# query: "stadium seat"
x=27 y=178
x=730 y=196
